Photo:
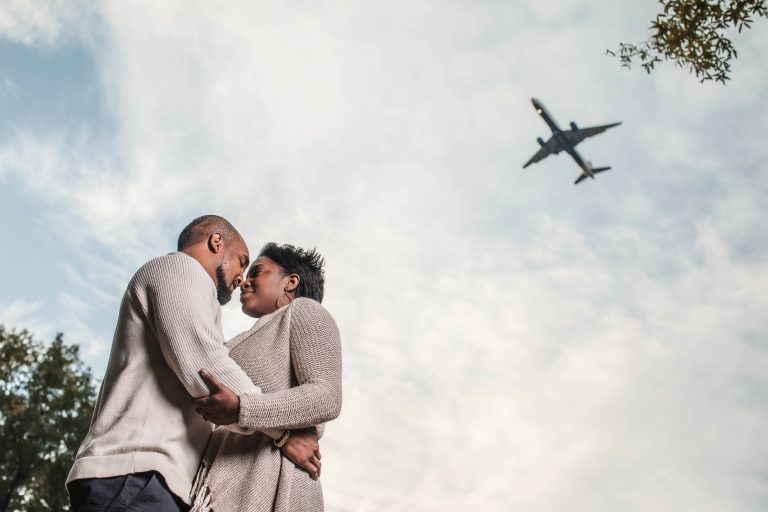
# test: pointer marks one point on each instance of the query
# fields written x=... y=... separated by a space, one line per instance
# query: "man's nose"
x=239 y=281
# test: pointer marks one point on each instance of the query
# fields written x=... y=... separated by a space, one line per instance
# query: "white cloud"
x=24 y=314
x=44 y=322
x=8 y=89
x=510 y=341
x=587 y=386
x=74 y=311
x=46 y=22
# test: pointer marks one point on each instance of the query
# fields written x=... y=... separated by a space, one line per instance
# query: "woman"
x=293 y=353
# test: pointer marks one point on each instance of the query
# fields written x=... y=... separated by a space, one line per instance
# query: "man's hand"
x=222 y=406
x=302 y=449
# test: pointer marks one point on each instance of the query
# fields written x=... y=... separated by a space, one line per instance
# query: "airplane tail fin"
x=594 y=170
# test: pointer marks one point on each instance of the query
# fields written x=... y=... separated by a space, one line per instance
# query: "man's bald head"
x=203 y=227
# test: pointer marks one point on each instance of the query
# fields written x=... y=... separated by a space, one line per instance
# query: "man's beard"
x=222 y=288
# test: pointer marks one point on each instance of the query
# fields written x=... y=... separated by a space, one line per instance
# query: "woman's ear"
x=293 y=283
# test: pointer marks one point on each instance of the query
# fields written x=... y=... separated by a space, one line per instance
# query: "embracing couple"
x=171 y=379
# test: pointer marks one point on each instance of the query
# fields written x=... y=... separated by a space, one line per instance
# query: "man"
x=145 y=442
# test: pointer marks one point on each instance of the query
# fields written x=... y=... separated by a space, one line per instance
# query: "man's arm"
x=180 y=303
x=182 y=308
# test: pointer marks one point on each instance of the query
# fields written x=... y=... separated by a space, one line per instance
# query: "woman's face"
x=264 y=284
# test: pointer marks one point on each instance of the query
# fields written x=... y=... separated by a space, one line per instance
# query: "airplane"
x=566 y=140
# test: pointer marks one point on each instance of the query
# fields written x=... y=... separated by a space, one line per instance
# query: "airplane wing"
x=579 y=134
x=551 y=147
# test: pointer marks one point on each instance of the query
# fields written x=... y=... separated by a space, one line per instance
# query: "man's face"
x=229 y=272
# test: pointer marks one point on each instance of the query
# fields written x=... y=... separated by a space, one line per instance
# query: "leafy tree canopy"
x=46 y=403
x=694 y=34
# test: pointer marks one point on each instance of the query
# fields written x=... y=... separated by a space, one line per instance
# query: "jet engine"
x=541 y=141
x=573 y=126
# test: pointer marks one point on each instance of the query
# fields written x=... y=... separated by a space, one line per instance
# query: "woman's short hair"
x=307 y=264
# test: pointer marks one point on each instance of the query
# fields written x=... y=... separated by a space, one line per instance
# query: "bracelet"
x=283 y=439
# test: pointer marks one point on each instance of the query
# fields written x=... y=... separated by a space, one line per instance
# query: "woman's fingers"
x=316 y=462
x=310 y=468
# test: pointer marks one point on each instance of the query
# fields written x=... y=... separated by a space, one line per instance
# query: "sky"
x=510 y=341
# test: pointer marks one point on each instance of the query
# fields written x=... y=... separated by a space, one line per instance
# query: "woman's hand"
x=302 y=448
x=222 y=406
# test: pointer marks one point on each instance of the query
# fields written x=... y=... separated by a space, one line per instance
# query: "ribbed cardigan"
x=294 y=356
x=169 y=327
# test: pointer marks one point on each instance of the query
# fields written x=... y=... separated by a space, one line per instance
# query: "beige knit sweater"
x=168 y=329
x=294 y=355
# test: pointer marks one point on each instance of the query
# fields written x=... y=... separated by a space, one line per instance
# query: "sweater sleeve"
x=315 y=349
x=182 y=309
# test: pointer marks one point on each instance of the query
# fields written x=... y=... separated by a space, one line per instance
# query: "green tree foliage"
x=46 y=403
x=694 y=34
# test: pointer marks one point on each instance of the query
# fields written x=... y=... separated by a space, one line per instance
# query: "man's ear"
x=293 y=283
x=215 y=243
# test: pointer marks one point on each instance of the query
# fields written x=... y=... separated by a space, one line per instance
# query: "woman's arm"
x=315 y=349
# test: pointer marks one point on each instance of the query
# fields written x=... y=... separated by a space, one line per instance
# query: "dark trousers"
x=137 y=492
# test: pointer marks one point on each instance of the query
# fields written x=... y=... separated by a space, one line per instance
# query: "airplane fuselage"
x=561 y=139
